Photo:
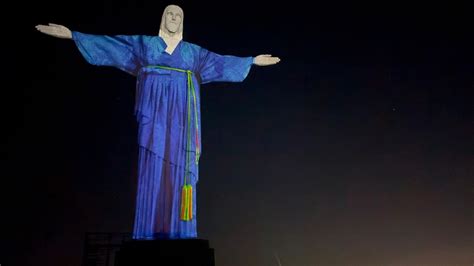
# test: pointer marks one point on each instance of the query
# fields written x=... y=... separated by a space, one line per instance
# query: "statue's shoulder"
x=147 y=38
x=192 y=46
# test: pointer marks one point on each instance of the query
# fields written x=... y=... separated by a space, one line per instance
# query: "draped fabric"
x=162 y=115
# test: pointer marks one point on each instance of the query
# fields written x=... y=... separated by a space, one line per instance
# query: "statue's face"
x=173 y=18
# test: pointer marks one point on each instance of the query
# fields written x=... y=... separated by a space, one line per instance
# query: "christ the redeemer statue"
x=169 y=72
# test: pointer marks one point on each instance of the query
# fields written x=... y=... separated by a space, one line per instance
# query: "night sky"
x=356 y=149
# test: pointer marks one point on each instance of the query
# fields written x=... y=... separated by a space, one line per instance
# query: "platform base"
x=165 y=252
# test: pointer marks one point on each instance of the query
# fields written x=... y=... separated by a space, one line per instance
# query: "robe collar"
x=171 y=41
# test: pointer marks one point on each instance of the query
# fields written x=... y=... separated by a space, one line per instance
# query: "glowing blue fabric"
x=161 y=111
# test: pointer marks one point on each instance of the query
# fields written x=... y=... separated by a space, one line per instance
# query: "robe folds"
x=162 y=111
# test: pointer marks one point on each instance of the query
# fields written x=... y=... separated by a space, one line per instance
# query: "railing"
x=100 y=248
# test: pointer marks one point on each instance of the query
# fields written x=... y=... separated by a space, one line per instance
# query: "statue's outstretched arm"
x=266 y=60
x=55 y=30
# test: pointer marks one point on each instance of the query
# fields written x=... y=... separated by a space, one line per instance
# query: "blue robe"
x=161 y=109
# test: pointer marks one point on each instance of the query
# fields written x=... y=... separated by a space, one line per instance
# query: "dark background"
x=355 y=150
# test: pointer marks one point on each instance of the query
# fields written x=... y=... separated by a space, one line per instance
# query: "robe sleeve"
x=120 y=51
x=223 y=68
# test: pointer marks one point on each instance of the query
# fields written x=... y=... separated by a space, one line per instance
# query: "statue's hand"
x=55 y=30
x=266 y=60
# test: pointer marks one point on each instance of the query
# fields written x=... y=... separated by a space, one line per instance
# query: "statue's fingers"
x=274 y=60
x=55 y=25
x=42 y=28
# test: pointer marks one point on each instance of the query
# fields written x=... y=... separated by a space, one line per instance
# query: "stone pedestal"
x=165 y=252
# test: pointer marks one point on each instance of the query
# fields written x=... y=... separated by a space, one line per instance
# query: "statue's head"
x=172 y=20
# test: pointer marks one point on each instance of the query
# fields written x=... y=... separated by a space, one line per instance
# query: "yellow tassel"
x=183 y=203
x=190 y=202
x=187 y=203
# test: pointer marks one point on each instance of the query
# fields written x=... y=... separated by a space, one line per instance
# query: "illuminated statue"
x=169 y=72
